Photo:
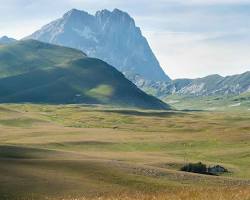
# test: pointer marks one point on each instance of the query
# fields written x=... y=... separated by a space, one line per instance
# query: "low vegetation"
x=82 y=152
x=195 y=168
x=201 y=168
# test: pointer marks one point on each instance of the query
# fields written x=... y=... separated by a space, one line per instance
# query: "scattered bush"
x=217 y=169
x=195 y=168
x=201 y=168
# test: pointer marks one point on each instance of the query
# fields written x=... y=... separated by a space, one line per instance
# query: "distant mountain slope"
x=207 y=86
x=6 y=40
x=211 y=103
x=36 y=72
x=110 y=36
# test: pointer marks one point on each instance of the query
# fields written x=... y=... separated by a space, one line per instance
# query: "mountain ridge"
x=206 y=86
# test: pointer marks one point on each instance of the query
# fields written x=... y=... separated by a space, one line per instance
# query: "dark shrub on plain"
x=195 y=168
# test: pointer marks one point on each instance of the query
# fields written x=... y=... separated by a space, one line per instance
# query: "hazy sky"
x=191 y=38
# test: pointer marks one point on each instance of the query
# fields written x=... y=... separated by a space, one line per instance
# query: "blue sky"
x=191 y=38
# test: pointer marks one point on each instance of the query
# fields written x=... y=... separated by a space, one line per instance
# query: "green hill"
x=32 y=71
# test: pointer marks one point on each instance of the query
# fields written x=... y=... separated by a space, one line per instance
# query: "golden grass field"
x=92 y=152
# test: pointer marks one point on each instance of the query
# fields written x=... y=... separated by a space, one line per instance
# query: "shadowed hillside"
x=37 y=72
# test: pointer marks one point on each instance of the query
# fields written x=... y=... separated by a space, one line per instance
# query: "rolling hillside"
x=74 y=152
x=37 y=72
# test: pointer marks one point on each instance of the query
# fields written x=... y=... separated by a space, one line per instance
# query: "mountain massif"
x=110 y=36
x=37 y=72
x=206 y=86
x=114 y=38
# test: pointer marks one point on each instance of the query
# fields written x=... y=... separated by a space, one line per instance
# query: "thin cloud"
x=216 y=2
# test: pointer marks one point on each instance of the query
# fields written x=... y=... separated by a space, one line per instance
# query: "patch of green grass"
x=19 y=122
x=101 y=92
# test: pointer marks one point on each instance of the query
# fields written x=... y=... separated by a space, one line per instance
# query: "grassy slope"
x=63 y=151
x=36 y=72
x=24 y=56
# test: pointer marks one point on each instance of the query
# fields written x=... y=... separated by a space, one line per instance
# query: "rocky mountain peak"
x=117 y=19
x=124 y=15
x=115 y=13
x=103 y=13
x=108 y=35
x=75 y=13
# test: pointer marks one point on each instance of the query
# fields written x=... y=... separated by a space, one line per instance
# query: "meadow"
x=97 y=152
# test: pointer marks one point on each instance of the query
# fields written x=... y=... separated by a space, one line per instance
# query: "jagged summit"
x=109 y=35
x=119 y=13
x=116 y=14
x=76 y=13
